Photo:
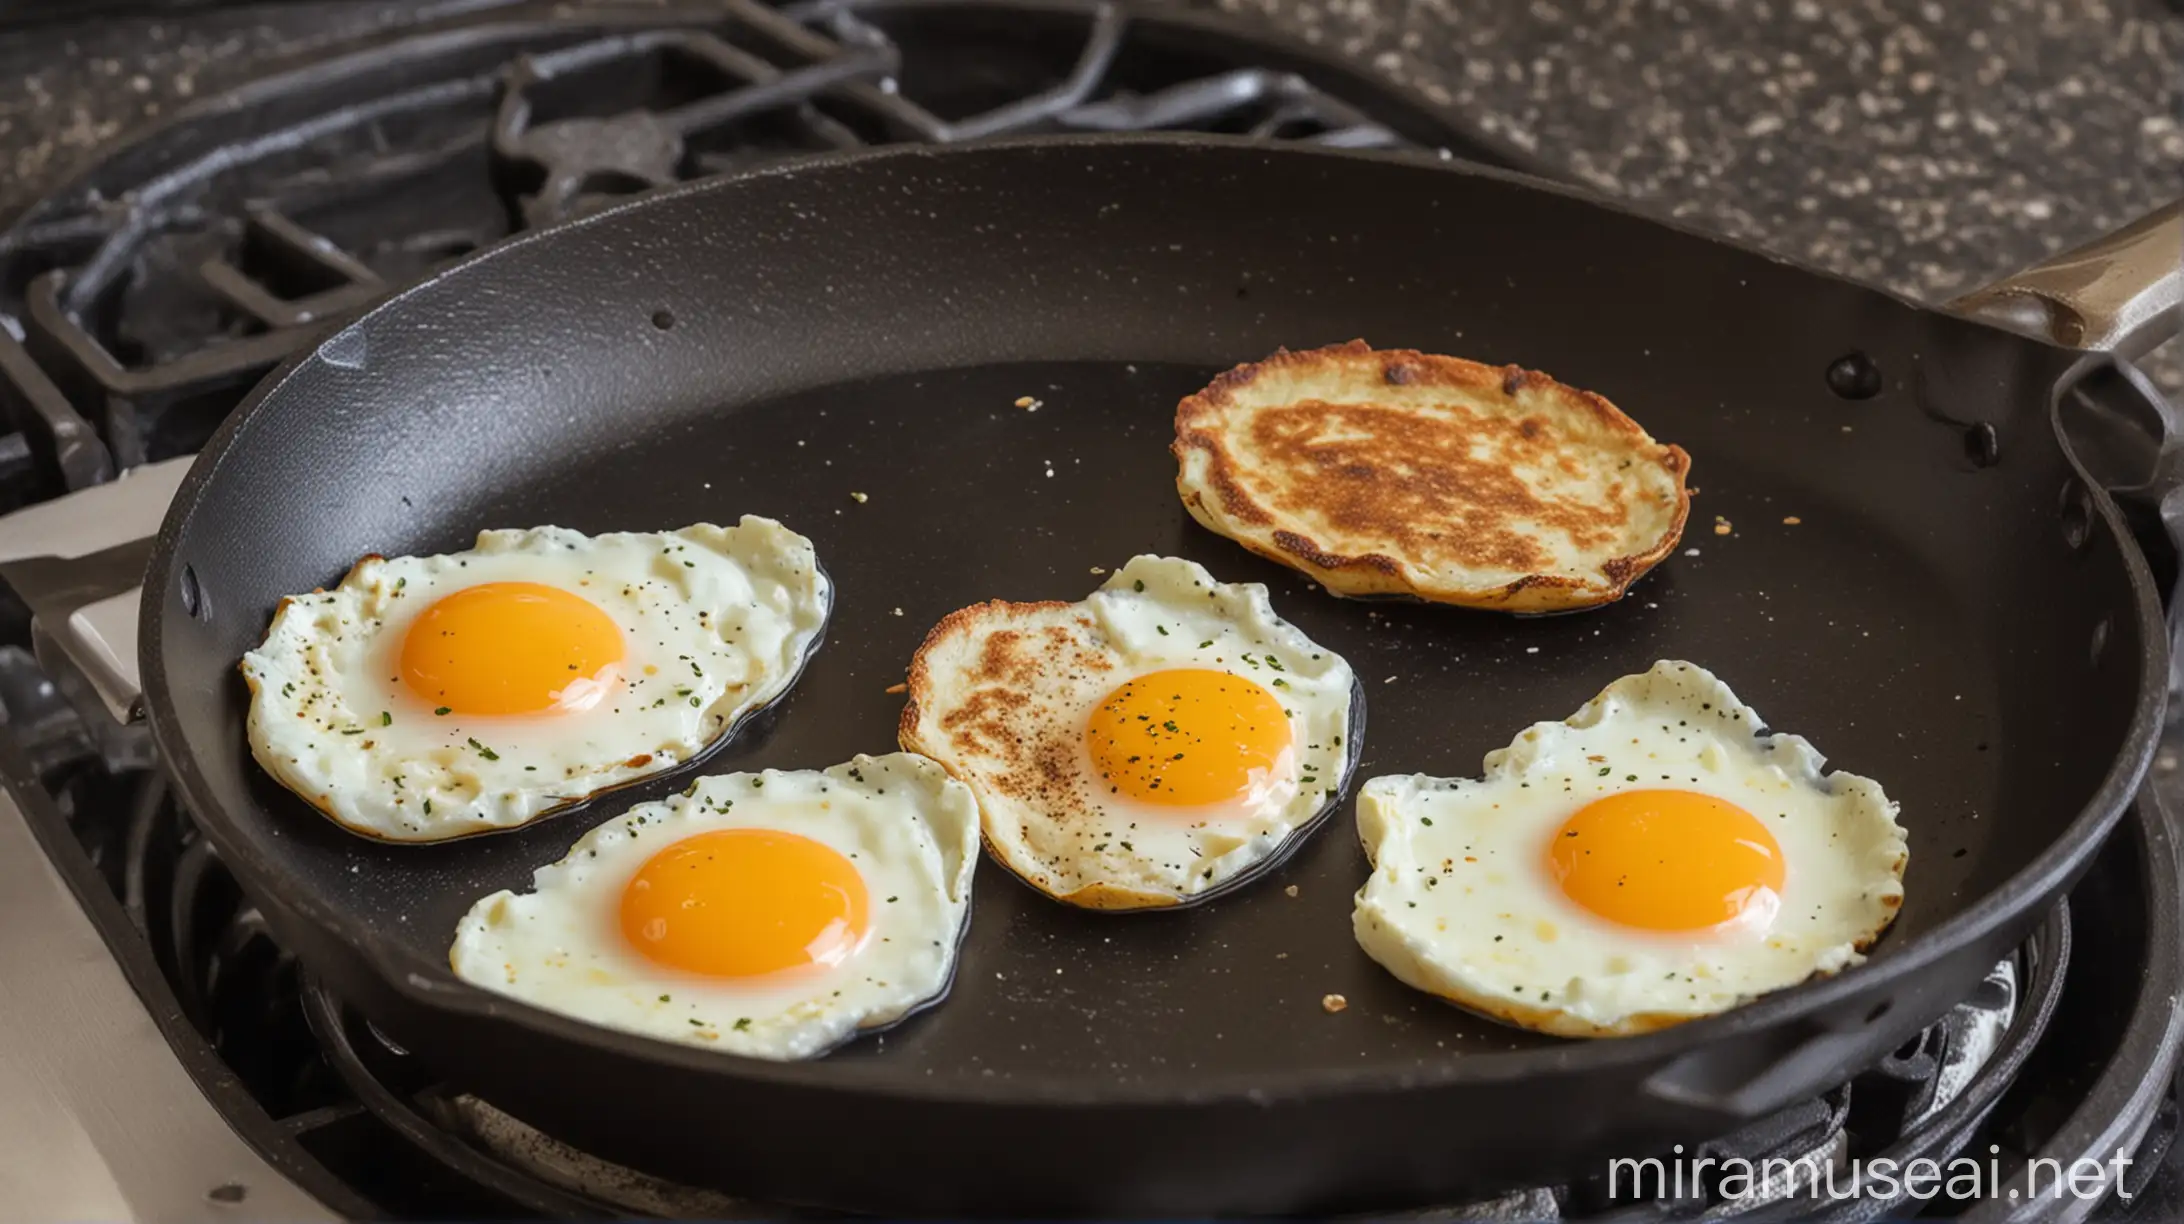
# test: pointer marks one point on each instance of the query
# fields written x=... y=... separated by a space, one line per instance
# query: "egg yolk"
x=1188 y=737
x=511 y=648
x=1665 y=860
x=743 y=902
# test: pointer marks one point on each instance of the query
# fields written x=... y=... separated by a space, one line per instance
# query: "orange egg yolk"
x=739 y=903
x=511 y=648
x=1665 y=860
x=1188 y=737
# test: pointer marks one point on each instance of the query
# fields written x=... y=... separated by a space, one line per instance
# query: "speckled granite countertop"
x=1928 y=145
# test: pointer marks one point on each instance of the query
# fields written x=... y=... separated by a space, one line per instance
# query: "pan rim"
x=432 y=986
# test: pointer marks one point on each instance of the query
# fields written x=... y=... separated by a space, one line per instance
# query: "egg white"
x=1001 y=694
x=716 y=622
x=910 y=830
x=1461 y=904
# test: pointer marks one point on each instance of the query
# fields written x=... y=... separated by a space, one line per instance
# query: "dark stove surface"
x=141 y=300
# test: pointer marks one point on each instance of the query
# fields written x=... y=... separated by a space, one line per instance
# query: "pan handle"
x=2123 y=293
x=1731 y=1084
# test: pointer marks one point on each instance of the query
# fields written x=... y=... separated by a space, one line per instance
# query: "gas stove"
x=162 y=1056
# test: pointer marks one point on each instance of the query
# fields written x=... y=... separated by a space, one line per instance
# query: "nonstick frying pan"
x=1959 y=612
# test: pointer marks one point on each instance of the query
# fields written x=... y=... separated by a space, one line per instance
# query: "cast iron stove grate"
x=139 y=304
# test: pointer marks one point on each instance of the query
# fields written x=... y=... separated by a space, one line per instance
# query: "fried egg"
x=1652 y=859
x=430 y=697
x=772 y=915
x=1165 y=737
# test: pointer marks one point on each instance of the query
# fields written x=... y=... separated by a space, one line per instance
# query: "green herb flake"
x=484 y=751
x=386 y=719
x=443 y=711
x=743 y=1025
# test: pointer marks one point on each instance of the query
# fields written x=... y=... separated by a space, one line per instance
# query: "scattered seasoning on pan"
x=859 y=498
x=1721 y=526
x=898 y=612
x=1791 y=520
x=898 y=688
x=1029 y=404
x=1290 y=891
x=1333 y=1003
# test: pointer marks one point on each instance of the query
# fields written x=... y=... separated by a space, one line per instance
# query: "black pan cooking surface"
x=970 y=497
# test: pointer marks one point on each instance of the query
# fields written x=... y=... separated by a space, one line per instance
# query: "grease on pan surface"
x=772 y=915
x=1162 y=739
x=1650 y=860
x=425 y=698
x=1407 y=473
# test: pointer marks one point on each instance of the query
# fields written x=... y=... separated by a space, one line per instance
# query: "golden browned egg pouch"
x=1405 y=473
